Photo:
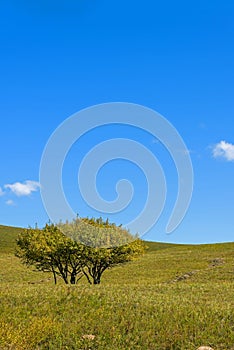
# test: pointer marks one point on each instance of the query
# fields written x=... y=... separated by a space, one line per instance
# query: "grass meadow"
x=175 y=297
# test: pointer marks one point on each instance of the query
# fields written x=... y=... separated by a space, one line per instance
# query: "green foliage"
x=50 y=250
x=96 y=232
x=97 y=260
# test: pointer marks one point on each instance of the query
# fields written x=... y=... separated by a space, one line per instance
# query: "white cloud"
x=23 y=189
x=10 y=202
x=1 y=192
x=224 y=150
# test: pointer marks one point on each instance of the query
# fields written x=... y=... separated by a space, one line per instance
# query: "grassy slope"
x=147 y=304
x=8 y=235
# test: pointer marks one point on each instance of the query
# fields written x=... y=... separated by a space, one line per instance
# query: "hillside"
x=8 y=236
x=175 y=297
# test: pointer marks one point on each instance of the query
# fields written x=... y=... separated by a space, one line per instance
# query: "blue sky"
x=58 y=57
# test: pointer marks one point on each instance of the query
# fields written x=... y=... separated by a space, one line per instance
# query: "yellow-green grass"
x=175 y=297
x=8 y=236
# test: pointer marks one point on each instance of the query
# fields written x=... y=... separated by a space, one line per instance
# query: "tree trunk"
x=87 y=276
x=96 y=279
x=73 y=278
x=54 y=274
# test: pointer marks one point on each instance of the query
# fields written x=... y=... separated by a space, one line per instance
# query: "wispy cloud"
x=224 y=150
x=10 y=202
x=1 y=192
x=23 y=188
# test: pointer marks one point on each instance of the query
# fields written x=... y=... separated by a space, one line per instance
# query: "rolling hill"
x=174 y=297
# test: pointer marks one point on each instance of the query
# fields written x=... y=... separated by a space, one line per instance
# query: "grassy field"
x=175 y=297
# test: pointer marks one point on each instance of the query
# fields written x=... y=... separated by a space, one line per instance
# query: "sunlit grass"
x=140 y=305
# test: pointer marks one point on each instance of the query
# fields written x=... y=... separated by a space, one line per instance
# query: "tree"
x=49 y=250
x=107 y=245
x=98 y=260
x=61 y=249
x=96 y=233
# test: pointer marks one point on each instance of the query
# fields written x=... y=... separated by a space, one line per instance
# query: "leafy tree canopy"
x=96 y=232
x=61 y=249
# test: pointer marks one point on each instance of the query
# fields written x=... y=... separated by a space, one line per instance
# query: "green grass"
x=148 y=304
x=8 y=236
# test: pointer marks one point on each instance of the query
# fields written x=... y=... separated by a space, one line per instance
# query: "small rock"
x=184 y=277
x=217 y=262
x=88 y=336
x=205 y=348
